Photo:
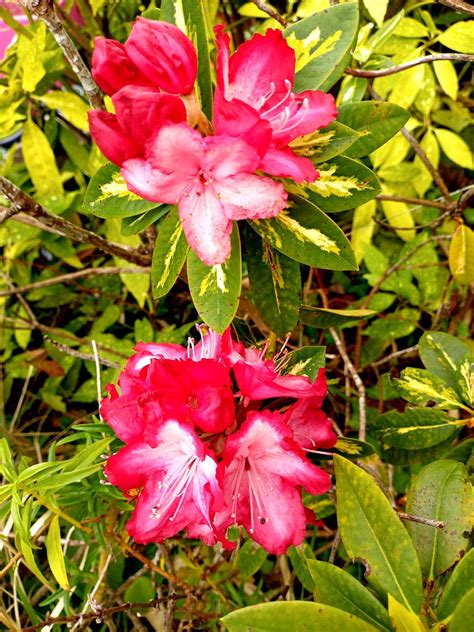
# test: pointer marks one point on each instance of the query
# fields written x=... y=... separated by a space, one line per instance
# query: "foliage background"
x=76 y=294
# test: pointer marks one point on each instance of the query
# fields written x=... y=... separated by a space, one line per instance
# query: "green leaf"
x=299 y=557
x=420 y=387
x=375 y=120
x=55 y=554
x=343 y=184
x=441 y=491
x=169 y=255
x=29 y=559
x=322 y=46
x=334 y=587
x=297 y=616
x=141 y=590
x=40 y=162
x=307 y=235
x=459 y=37
x=353 y=448
x=137 y=223
x=458 y=585
x=325 y=143
x=371 y=531
x=250 y=558
x=215 y=289
x=414 y=429
x=275 y=284
x=305 y=361
x=107 y=195
x=403 y=619
x=450 y=359
x=455 y=148
x=447 y=76
x=461 y=255
x=463 y=617
x=70 y=106
x=322 y=317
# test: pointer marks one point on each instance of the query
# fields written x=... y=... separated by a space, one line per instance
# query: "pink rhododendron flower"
x=200 y=457
x=178 y=484
x=210 y=179
x=254 y=92
x=139 y=111
x=156 y=54
x=261 y=471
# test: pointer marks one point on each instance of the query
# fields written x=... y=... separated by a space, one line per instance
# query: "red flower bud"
x=164 y=54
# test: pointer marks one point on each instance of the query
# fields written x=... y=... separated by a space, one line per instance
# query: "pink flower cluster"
x=200 y=456
x=210 y=178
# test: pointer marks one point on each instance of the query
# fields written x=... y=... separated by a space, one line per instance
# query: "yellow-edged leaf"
x=455 y=148
x=70 y=105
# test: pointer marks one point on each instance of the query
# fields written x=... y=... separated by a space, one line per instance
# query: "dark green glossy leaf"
x=322 y=45
x=137 y=223
x=372 y=532
x=459 y=584
x=305 y=361
x=275 y=284
x=169 y=255
x=307 y=235
x=322 y=318
x=376 y=120
x=441 y=491
x=325 y=143
x=215 y=289
x=463 y=617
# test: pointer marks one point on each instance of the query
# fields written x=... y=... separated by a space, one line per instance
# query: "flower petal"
x=206 y=226
x=282 y=162
x=177 y=149
x=319 y=110
x=246 y=196
x=226 y=156
x=311 y=427
x=150 y=183
x=110 y=138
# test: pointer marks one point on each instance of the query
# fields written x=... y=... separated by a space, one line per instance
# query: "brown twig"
x=396 y=354
x=23 y=202
x=437 y=524
x=44 y=9
x=73 y=276
x=414 y=201
x=263 y=6
x=101 y=613
x=384 y=72
x=458 y=5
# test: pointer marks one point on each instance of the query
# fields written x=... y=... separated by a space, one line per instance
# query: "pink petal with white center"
x=261 y=469
x=177 y=150
x=246 y=196
x=312 y=428
x=179 y=480
x=146 y=352
x=227 y=156
x=257 y=64
x=206 y=227
x=284 y=163
x=110 y=138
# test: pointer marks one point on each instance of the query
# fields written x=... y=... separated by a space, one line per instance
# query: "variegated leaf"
x=169 y=255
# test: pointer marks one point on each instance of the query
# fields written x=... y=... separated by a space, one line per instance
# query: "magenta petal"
x=282 y=162
x=111 y=140
x=151 y=183
x=319 y=110
x=206 y=226
x=177 y=150
x=246 y=196
x=312 y=428
x=259 y=62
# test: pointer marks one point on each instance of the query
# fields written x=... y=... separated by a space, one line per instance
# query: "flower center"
x=294 y=109
x=258 y=489
x=174 y=486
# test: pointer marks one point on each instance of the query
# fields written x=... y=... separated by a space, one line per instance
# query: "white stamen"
x=298 y=119
x=286 y=96
x=261 y=102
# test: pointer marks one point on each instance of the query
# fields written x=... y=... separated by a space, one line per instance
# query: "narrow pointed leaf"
x=55 y=554
x=460 y=583
x=169 y=255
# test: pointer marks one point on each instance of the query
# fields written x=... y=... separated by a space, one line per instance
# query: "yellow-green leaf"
x=29 y=559
x=408 y=84
x=70 y=105
x=362 y=229
x=400 y=216
x=250 y=10
x=455 y=148
x=447 y=77
x=459 y=37
x=377 y=10
x=461 y=255
x=40 y=162
x=55 y=554
x=403 y=620
x=30 y=57
x=431 y=148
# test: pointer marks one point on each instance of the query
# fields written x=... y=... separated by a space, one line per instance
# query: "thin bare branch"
x=459 y=5
x=414 y=201
x=384 y=72
x=263 y=6
x=73 y=276
x=23 y=202
x=437 y=524
x=396 y=354
x=44 y=9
